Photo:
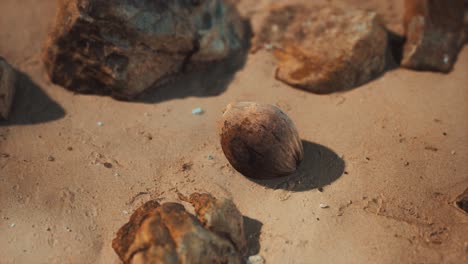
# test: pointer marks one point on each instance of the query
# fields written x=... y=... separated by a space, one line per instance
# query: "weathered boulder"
x=324 y=50
x=7 y=88
x=168 y=234
x=122 y=47
x=434 y=34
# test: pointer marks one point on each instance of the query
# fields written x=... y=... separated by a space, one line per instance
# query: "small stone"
x=333 y=50
x=125 y=212
x=197 y=111
x=210 y=157
x=70 y=148
x=323 y=206
x=255 y=259
x=12 y=225
x=99 y=123
x=107 y=165
x=434 y=33
x=453 y=152
x=7 y=88
x=51 y=158
x=116 y=174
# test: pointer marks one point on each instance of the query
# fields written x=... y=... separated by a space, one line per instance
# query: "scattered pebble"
x=5 y=155
x=453 y=152
x=323 y=206
x=407 y=163
x=320 y=189
x=116 y=174
x=125 y=212
x=255 y=259
x=12 y=225
x=445 y=133
x=70 y=148
x=210 y=157
x=107 y=165
x=446 y=59
x=50 y=158
x=431 y=148
x=197 y=111
x=99 y=123
x=268 y=46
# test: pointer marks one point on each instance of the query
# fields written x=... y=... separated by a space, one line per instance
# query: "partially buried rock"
x=168 y=234
x=260 y=141
x=122 y=47
x=324 y=50
x=7 y=88
x=434 y=34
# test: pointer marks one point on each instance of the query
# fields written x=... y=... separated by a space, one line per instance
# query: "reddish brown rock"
x=7 y=88
x=324 y=50
x=122 y=47
x=220 y=216
x=168 y=234
x=434 y=32
x=260 y=141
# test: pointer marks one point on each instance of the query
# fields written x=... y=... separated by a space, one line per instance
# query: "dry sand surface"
x=388 y=158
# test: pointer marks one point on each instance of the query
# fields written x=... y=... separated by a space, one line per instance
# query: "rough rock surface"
x=434 y=32
x=167 y=233
x=325 y=49
x=260 y=141
x=123 y=47
x=7 y=88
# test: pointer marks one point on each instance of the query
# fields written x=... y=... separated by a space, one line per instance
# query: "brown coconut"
x=260 y=141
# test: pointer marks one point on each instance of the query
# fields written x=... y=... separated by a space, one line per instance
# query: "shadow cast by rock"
x=211 y=80
x=252 y=230
x=31 y=105
x=321 y=166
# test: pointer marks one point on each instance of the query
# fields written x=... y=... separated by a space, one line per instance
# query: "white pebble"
x=255 y=259
x=322 y=205
x=12 y=225
x=100 y=123
x=446 y=59
x=197 y=111
x=268 y=46
x=125 y=212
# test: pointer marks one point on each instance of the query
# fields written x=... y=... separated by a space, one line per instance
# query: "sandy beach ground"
x=388 y=158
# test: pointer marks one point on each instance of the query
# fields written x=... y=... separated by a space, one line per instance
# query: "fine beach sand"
x=388 y=158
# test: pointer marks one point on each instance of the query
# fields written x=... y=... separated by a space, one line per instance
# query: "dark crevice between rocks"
x=395 y=45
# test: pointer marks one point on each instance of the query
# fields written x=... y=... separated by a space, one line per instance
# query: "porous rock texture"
x=7 y=88
x=434 y=34
x=123 y=47
x=168 y=234
x=324 y=49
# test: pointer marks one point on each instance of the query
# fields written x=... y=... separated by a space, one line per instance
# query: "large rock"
x=7 y=88
x=168 y=234
x=434 y=33
x=324 y=50
x=122 y=47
